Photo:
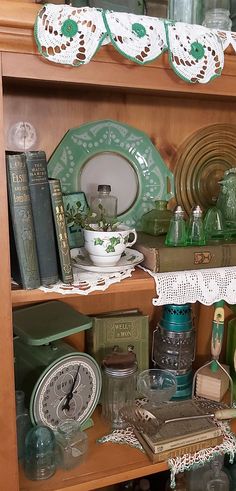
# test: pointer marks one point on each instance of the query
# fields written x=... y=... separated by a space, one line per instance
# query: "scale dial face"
x=77 y=375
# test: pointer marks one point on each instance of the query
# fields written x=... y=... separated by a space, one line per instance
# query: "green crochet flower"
x=69 y=28
x=139 y=29
x=197 y=50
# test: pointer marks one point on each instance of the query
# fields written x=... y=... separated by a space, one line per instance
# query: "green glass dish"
x=157 y=221
x=116 y=153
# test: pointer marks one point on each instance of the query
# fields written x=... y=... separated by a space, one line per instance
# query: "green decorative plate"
x=109 y=152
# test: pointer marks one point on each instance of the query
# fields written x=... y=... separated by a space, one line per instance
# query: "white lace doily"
x=86 y=282
x=72 y=35
x=206 y=286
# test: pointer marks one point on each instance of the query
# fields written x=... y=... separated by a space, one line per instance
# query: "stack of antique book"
x=40 y=252
x=175 y=439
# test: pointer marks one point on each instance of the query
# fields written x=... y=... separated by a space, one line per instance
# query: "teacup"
x=105 y=248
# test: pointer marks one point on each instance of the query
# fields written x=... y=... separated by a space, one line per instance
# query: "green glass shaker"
x=177 y=232
x=157 y=221
x=195 y=227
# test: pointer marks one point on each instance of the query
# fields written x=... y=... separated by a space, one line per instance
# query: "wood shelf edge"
x=139 y=281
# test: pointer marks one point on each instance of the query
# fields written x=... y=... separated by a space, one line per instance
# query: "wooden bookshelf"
x=55 y=98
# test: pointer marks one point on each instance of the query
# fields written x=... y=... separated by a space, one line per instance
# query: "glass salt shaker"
x=177 y=231
x=119 y=386
x=195 y=227
x=71 y=444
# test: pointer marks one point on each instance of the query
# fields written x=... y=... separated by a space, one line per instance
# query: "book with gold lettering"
x=42 y=216
x=24 y=260
x=66 y=271
x=124 y=330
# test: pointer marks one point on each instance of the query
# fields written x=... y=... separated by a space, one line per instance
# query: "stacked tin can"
x=173 y=346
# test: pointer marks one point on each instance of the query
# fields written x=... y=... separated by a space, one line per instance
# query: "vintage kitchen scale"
x=59 y=382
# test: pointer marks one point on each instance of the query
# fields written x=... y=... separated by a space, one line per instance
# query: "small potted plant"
x=105 y=239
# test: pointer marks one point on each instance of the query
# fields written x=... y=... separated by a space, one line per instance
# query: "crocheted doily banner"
x=206 y=286
x=71 y=36
x=86 y=282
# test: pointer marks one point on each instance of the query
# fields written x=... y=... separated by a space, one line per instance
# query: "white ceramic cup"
x=105 y=248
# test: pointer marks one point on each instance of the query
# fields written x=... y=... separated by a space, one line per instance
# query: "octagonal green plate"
x=109 y=152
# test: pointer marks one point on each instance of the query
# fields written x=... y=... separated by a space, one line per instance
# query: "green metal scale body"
x=59 y=382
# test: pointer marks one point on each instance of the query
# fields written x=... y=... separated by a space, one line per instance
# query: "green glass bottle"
x=177 y=233
x=157 y=221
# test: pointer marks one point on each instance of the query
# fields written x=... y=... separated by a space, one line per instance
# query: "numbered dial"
x=69 y=389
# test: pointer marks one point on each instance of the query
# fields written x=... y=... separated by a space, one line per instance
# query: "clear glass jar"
x=216 y=479
x=72 y=444
x=103 y=203
x=40 y=456
x=188 y=11
x=119 y=387
x=217 y=14
x=157 y=221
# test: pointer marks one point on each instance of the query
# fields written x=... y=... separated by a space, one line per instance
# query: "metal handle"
x=184 y=418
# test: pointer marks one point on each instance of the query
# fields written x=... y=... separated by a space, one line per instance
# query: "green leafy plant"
x=90 y=220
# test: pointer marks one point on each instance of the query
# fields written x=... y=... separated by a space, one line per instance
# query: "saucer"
x=129 y=259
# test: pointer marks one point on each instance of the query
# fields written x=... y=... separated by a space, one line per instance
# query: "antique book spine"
x=42 y=216
x=190 y=448
x=61 y=231
x=185 y=440
x=24 y=260
x=160 y=258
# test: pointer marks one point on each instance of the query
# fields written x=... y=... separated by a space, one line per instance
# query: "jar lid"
x=104 y=188
x=120 y=364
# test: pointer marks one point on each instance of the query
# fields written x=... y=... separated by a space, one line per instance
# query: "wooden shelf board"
x=139 y=281
x=21 y=60
x=105 y=464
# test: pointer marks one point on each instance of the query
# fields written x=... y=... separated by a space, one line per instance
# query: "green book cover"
x=61 y=231
x=42 y=215
x=24 y=260
x=124 y=331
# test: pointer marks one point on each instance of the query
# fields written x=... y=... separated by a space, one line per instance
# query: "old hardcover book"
x=24 y=260
x=160 y=258
x=122 y=330
x=177 y=434
x=42 y=216
x=61 y=231
x=178 y=451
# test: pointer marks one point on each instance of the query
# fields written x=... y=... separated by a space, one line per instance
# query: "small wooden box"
x=212 y=385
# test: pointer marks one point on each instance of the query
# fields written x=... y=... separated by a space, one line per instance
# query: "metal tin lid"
x=120 y=364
